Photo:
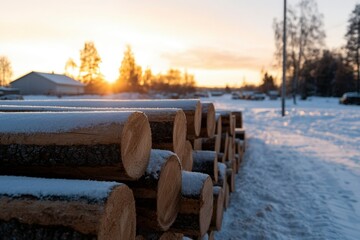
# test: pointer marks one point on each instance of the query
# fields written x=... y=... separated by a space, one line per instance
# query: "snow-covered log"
x=240 y=133
x=208 y=120
x=230 y=179
x=196 y=205
x=37 y=208
x=218 y=129
x=206 y=162
x=187 y=159
x=86 y=145
x=211 y=144
x=221 y=175
x=224 y=146
x=168 y=125
x=227 y=122
x=158 y=192
x=218 y=208
x=239 y=119
x=191 y=107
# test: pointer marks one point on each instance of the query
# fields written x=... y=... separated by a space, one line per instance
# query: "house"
x=37 y=83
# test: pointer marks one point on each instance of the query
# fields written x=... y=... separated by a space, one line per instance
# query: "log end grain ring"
x=136 y=145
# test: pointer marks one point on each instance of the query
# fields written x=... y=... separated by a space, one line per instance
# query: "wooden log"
x=36 y=208
x=231 y=149
x=227 y=122
x=187 y=159
x=226 y=196
x=160 y=236
x=211 y=235
x=240 y=133
x=168 y=125
x=218 y=209
x=83 y=145
x=230 y=179
x=221 y=175
x=208 y=120
x=158 y=192
x=224 y=146
x=206 y=162
x=196 y=205
x=218 y=129
x=191 y=107
x=197 y=144
x=211 y=144
x=239 y=119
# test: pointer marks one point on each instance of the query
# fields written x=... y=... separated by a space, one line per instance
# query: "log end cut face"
x=207 y=206
x=197 y=119
x=219 y=208
x=119 y=218
x=187 y=159
x=136 y=145
x=179 y=133
x=169 y=192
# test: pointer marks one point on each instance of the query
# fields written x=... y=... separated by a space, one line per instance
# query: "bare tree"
x=5 y=71
x=305 y=38
x=71 y=68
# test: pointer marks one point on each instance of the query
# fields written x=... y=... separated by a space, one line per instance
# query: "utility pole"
x=283 y=88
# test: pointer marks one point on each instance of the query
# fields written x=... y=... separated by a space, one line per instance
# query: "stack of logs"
x=113 y=169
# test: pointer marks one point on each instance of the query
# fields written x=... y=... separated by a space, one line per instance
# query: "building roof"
x=60 y=79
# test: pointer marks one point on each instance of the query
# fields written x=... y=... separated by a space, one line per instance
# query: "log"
x=206 y=162
x=161 y=236
x=218 y=129
x=82 y=145
x=191 y=107
x=230 y=179
x=196 y=205
x=211 y=144
x=221 y=175
x=197 y=143
x=226 y=122
x=211 y=235
x=168 y=125
x=239 y=119
x=226 y=196
x=224 y=146
x=208 y=120
x=240 y=133
x=231 y=149
x=218 y=209
x=36 y=208
x=187 y=160
x=158 y=192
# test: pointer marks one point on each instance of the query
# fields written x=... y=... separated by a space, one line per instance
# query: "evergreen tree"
x=268 y=83
x=130 y=73
x=353 y=42
x=5 y=71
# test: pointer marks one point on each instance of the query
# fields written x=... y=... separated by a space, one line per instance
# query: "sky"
x=221 y=42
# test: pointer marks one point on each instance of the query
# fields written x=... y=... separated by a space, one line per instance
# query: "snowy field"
x=301 y=174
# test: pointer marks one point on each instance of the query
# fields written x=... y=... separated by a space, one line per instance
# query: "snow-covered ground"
x=301 y=174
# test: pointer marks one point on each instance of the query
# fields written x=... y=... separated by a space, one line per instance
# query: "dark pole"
x=283 y=89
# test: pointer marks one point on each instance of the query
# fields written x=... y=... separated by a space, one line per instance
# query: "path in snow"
x=301 y=175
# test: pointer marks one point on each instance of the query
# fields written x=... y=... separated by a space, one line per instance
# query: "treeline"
x=131 y=76
x=311 y=68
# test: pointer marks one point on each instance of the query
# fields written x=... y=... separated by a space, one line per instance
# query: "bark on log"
x=206 y=162
x=158 y=192
x=35 y=208
x=239 y=119
x=230 y=179
x=85 y=145
x=196 y=205
x=218 y=209
x=208 y=120
x=191 y=108
x=187 y=160
x=168 y=125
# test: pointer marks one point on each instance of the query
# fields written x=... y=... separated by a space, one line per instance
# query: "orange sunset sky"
x=219 y=41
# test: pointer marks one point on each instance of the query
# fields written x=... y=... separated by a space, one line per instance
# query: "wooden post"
x=85 y=145
x=35 y=208
x=158 y=192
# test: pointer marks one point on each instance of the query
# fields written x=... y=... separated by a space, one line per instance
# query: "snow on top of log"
x=157 y=159
x=159 y=103
x=192 y=182
x=52 y=122
x=42 y=187
x=217 y=189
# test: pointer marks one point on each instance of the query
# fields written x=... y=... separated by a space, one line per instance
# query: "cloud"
x=210 y=58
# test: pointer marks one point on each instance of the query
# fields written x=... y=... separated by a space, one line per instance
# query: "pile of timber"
x=114 y=169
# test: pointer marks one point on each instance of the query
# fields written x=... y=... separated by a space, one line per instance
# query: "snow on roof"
x=41 y=187
x=60 y=79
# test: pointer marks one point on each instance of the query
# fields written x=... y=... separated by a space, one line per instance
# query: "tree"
x=130 y=73
x=353 y=42
x=305 y=38
x=5 y=71
x=89 y=72
x=268 y=83
x=70 y=68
